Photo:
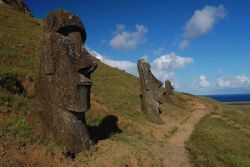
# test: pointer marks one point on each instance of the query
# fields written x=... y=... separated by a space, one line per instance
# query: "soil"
x=177 y=155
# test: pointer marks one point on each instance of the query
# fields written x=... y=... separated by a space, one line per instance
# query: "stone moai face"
x=168 y=92
x=63 y=86
x=66 y=61
x=169 y=89
x=150 y=92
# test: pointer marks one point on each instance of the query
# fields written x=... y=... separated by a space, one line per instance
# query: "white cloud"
x=235 y=81
x=126 y=40
x=171 y=61
x=163 y=66
x=224 y=83
x=203 y=82
x=184 y=44
x=243 y=79
x=159 y=51
x=201 y=23
x=128 y=66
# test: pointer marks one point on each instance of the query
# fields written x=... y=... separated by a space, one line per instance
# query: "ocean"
x=231 y=97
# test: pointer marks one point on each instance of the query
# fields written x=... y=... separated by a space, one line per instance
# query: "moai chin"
x=63 y=86
x=168 y=92
x=150 y=92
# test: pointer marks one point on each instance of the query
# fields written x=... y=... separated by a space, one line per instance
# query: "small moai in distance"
x=151 y=97
x=63 y=86
x=168 y=92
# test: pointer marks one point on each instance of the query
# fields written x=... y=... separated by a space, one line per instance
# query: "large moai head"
x=63 y=86
x=67 y=65
x=150 y=92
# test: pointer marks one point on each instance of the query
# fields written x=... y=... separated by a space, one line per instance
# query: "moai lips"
x=150 y=92
x=63 y=87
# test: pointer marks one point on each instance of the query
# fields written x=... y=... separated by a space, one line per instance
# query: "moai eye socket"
x=65 y=31
x=84 y=71
x=88 y=70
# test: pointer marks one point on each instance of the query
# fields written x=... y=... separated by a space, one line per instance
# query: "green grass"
x=20 y=41
x=17 y=63
x=15 y=102
x=215 y=142
x=239 y=114
x=20 y=32
x=137 y=143
x=117 y=91
x=18 y=127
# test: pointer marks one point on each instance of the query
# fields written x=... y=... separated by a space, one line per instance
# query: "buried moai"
x=63 y=86
x=150 y=92
x=168 y=92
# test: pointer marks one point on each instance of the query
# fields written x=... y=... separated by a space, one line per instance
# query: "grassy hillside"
x=222 y=139
x=20 y=43
x=121 y=132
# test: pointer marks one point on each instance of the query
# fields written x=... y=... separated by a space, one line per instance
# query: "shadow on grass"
x=11 y=84
x=105 y=129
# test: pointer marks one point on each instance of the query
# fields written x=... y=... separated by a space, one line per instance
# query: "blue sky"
x=202 y=46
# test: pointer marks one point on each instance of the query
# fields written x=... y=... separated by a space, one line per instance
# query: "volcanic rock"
x=62 y=91
x=150 y=92
x=168 y=92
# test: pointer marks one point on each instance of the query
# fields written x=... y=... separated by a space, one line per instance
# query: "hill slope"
x=121 y=133
x=222 y=138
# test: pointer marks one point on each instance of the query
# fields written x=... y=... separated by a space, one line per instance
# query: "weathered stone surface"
x=150 y=92
x=168 y=92
x=63 y=86
x=18 y=5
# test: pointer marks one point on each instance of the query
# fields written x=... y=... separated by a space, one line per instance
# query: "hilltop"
x=122 y=135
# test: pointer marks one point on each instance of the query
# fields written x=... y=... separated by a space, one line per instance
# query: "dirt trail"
x=177 y=155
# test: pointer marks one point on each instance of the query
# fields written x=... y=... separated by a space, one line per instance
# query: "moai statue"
x=150 y=92
x=63 y=86
x=168 y=92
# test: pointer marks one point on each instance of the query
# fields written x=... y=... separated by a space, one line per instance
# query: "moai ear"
x=49 y=64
